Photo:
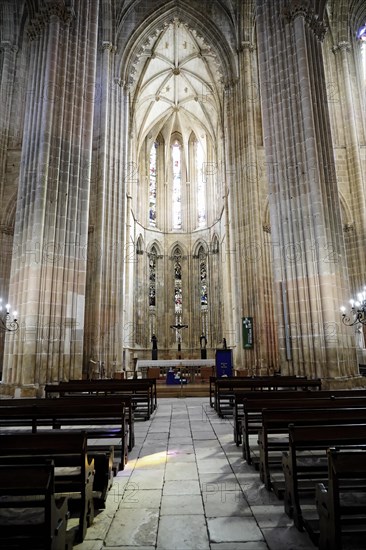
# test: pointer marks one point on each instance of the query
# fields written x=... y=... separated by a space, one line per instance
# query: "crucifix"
x=178 y=327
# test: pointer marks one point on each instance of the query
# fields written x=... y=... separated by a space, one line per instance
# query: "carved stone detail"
x=55 y=9
x=7 y=230
x=108 y=46
x=348 y=227
x=343 y=46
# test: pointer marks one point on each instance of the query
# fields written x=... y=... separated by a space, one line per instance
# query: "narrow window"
x=203 y=289
x=201 y=186
x=178 y=299
x=177 y=186
x=362 y=38
x=152 y=277
x=152 y=185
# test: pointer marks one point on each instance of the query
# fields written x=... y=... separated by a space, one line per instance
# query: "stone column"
x=8 y=56
x=51 y=227
x=8 y=52
x=310 y=269
x=246 y=215
x=351 y=110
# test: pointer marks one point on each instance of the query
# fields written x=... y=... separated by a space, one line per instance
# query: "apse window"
x=152 y=185
x=177 y=185
x=362 y=38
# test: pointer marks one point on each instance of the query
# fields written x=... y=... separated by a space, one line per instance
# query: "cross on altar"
x=178 y=327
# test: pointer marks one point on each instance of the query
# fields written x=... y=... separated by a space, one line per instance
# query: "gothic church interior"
x=181 y=162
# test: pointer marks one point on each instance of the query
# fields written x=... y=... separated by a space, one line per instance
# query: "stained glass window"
x=362 y=37
x=152 y=185
x=177 y=258
x=201 y=185
x=152 y=277
x=202 y=257
x=177 y=186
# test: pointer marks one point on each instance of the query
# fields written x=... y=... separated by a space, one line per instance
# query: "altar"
x=187 y=368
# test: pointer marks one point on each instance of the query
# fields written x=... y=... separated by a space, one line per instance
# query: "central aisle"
x=186 y=487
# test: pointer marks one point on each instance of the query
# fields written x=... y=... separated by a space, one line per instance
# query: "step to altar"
x=182 y=390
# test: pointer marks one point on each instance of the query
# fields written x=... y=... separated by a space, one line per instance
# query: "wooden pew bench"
x=141 y=392
x=241 y=395
x=139 y=387
x=273 y=436
x=102 y=421
x=341 y=501
x=30 y=514
x=74 y=470
x=225 y=389
x=252 y=419
x=123 y=400
x=305 y=465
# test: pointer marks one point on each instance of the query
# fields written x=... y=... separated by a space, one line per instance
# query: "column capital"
x=108 y=46
x=7 y=46
x=343 y=46
x=247 y=45
x=7 y=230
x=52 y=10
x=299 y=8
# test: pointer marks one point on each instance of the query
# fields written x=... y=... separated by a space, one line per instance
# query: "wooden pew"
x=74 y=474
x=241 y=396
x=273 y=435
x=138 y=386
x=225 y=389
x=123 y=400
x=252 y=419
x=100 y=421
x=337 y=517
x=30 y=515
x=142 y=392
x=305 y=465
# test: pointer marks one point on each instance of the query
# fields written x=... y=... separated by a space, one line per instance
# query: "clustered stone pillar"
x=48 y=271
x=104 y=314
x=351 y=113
x=310 y=269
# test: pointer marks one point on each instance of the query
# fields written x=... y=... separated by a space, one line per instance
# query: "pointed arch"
x=140 y=245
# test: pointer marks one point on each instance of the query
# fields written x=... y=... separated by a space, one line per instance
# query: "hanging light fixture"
x=8 y=318
x=357 y=314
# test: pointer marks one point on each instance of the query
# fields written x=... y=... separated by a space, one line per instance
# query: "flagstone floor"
x=186 y=487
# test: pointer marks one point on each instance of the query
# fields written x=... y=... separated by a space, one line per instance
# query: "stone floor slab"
x=232 y=529
x=182 y=504
x=133 y=528
x=182 y=533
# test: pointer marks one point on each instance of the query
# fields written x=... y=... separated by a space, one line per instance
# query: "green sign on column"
x=247 y=323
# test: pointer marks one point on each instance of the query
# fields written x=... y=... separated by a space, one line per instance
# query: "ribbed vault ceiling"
x=178 y=86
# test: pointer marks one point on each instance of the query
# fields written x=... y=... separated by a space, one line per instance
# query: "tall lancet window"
x=201 y=186
x=152 y=289
x=178 y=300
x=152 y=185
x=362 y=37
x=203 y=288
x=152 y=277
x=177 y=185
